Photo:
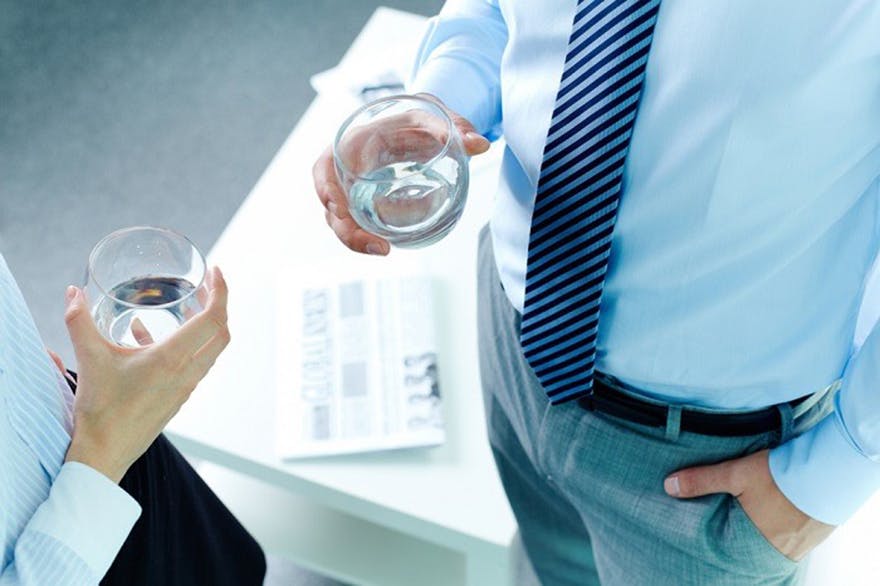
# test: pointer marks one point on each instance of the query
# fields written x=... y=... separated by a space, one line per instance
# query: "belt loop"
x=673 y=422
x=816 y=398
x=786 y=422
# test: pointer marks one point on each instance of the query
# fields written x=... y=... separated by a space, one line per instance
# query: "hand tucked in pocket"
x=787 y=528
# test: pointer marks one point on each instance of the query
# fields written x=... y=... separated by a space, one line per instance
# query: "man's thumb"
x=80 y=326
x=474 y=142
x=699 y=481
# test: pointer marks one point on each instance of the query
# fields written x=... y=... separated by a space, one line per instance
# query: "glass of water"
x=142 y=283
x=402 y=164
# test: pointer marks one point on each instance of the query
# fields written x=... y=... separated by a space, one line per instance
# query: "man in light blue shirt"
x=64 y=518
x=746 y=228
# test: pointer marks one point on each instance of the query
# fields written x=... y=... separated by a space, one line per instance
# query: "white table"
x=418 y=517
x=435 y=516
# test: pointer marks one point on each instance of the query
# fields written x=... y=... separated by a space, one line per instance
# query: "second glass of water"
x=404 y=170
x=142 y=283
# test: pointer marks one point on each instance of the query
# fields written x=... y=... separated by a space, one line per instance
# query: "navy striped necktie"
x=579 y=190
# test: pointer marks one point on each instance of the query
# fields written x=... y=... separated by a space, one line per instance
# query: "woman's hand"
x=126 y=396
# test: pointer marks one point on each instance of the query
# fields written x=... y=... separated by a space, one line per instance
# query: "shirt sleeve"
x=459 y=61
x=831 y=470
x=74 y=535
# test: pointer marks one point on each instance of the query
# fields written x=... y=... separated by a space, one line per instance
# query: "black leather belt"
x=608 y=400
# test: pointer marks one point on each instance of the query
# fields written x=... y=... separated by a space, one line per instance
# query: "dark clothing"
x=185 y=535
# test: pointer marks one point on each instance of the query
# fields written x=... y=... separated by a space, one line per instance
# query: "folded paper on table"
x=357 y=367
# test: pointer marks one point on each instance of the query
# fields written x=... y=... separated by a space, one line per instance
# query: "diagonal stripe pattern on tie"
x=579 y=190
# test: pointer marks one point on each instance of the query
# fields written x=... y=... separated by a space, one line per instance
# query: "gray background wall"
x=161 y=112
x=121 y=113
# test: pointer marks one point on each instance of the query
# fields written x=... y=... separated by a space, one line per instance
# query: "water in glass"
x=154 y=300
x=410 y=204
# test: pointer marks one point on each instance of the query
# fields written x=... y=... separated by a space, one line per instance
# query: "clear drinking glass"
x=142 y=283
x=404 y=170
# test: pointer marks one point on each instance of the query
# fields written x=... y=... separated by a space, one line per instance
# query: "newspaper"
x=358 y=368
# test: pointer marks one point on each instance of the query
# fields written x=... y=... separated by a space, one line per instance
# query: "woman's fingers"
x=193 y=334
x=140 y=332
x=80 y=326
x=207 y=355
x=59 y=364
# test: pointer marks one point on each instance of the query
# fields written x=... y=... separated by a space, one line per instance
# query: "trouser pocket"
x=748 y=537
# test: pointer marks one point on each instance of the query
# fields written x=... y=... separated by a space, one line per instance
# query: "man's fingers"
x=702 y=480
x=410 y=136
x=474 y=142
x=204 y=326
x=327 y=184
x=83 y=332
x=355 y=237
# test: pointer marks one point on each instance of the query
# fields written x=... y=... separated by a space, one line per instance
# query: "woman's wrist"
x=92 y=455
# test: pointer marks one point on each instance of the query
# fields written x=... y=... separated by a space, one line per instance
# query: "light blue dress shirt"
x=749 y=219
x=60 y=524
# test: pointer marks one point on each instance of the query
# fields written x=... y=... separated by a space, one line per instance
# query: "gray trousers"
x=587 y=488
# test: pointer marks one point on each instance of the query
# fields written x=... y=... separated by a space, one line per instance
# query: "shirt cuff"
x=456 y=86
x=823 y=474
x=88 y=513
